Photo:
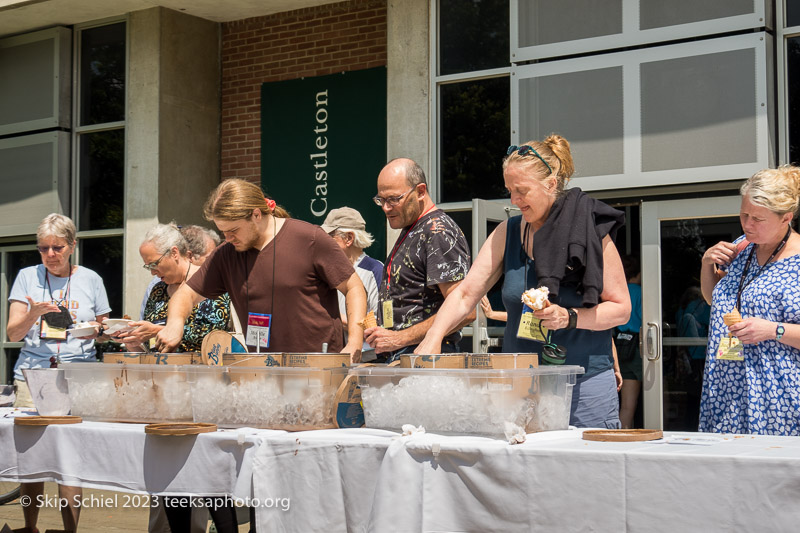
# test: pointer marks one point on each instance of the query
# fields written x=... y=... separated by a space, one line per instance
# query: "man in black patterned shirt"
x=429 y=259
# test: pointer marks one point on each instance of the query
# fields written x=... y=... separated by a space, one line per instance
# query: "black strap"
x=742 y=284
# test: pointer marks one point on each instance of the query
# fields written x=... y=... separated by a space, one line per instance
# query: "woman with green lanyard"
x=564 y=241
x=45 y=301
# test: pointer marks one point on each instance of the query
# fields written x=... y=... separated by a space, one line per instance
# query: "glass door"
x=675 y=234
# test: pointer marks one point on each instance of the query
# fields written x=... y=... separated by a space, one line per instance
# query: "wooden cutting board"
x=622 y=435
x=46 y=420
x=180 y=429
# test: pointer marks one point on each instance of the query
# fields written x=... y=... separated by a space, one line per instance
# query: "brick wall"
x=307 y=42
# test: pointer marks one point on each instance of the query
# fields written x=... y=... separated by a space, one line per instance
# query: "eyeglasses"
x=527 y=149
x=53 y=362
x=391 y=201
x=56 y=249
x=154 y=264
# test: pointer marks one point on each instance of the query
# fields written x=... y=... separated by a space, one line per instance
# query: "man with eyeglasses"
x=429 y=259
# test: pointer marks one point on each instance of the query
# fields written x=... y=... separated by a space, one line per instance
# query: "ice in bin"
x=129 y=393
x=49 y=390
x=467 y=402
x=265 y=397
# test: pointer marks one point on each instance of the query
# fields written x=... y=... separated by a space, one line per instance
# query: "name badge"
x=388 y=314
x=730 y=349
x=47 y=331
x=258 y=326
x=530 y=327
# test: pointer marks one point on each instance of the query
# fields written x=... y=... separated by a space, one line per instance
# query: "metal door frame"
x=652 y=214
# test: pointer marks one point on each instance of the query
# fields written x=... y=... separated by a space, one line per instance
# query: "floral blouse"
x=206 y=316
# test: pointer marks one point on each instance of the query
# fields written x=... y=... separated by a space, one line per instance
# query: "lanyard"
x=397 y=247
x=66 y=291
x=742 y=284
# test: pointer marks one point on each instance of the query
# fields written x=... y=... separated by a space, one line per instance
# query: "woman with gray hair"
x=45 y=301
x=165 y=253
x=752 y=371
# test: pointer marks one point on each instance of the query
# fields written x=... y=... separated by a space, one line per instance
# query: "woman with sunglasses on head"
x=563 y=240
x=45 y=301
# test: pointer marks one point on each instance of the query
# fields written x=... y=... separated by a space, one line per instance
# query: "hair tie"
x=270 y=203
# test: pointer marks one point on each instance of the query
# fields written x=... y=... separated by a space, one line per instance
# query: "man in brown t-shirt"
x=273 y=266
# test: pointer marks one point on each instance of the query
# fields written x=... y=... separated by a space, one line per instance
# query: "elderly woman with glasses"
x=564 y=241
x=165 y=252
x=45 y=301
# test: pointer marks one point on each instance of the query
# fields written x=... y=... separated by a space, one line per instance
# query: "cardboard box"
x=450 y=360
x=289 y=360
x=316 y=360
x=139 y=358
x=502 y=360
x=252 y=360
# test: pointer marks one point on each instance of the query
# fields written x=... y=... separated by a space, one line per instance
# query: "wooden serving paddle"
x=622 y=435
x=46 y=420
x=180 y=429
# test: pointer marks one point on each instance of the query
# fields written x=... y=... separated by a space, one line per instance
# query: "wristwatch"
x=779 y=331
x=573 y=318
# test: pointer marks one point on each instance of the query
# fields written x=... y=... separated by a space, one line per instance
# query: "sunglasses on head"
x=56 y=249
x=525 y=150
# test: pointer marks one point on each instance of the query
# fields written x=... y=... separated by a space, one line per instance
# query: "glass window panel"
x=102 y=74
x=546 y=22
x=26 y=92
x=101 y=183
x=661 y=13
x=586 y=108
x=27 y=180
x=11 y=355
x=706 y=101
x=475 y=122
x=473 y=35
x=793 y=77
x=792 y=13
x=104 y=256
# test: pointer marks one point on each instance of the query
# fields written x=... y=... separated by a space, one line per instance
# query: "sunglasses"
x=391 y=201
x=154 y=264
x=53 y=362
x=527 y=149
x=56 y=249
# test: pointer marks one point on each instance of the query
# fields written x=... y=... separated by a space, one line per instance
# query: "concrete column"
x=172 y=135
x=408 y=85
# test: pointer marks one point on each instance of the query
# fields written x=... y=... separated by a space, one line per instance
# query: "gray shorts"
x=595 y=403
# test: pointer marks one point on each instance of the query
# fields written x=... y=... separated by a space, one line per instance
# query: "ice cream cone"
x=369 y=321
x=732 y=318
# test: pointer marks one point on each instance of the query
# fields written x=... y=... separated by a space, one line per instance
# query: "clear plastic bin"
x=467 y=402
x=129 y=393
x=49 y=390
x=287 y=398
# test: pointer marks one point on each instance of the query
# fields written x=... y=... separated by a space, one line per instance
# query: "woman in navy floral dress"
x=752 y=374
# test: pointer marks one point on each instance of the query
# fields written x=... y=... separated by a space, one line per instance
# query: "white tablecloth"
x=122 y=457
x=366 y=480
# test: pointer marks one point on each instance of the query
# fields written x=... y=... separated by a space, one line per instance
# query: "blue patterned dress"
x=761 y=394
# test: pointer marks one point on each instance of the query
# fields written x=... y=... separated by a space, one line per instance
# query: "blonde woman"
x=562 y=240
x=752 y=373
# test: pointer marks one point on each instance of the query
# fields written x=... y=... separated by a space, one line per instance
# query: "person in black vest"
x=564 y=242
